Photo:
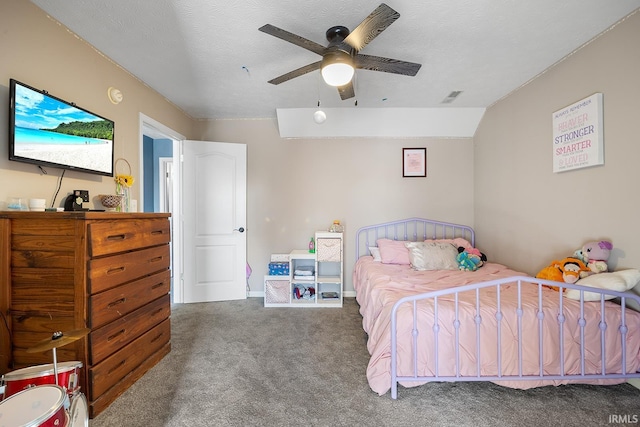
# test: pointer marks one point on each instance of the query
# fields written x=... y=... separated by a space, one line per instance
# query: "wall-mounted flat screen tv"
x=48 y=131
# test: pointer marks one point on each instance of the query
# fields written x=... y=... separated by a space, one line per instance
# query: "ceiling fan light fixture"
x=337 y=69
x=341 y=56
x=337 y=74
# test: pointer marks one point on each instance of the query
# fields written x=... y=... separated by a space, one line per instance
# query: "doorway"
x=159 y=154
x=210 y=234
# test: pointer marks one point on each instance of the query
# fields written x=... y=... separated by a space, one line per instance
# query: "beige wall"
x=294 y=186
x=525 y=215
x=36 y=50
x=297 y=186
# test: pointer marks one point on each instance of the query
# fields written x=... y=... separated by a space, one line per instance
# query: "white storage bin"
x=329 y=250
x=276 y=290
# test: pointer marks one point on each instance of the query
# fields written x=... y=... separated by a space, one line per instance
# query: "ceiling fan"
x=341 y=56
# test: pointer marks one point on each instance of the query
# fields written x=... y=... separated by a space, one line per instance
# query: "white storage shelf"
x=325 y=280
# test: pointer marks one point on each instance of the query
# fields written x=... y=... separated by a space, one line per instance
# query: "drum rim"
x=24 y=373
x=74 y=405
x=52 y=410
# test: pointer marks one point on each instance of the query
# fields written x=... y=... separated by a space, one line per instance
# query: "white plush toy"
x=619 y=281
x=595 y=256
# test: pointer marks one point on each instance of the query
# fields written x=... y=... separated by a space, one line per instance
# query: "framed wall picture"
x=414 y=162
x=578 y=135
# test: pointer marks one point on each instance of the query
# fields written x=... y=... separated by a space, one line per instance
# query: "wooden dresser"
x=109 y=272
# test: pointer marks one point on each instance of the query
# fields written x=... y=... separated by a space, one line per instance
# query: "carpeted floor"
x=240 y=364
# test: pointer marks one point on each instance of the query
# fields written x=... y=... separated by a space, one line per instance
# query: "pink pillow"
x=457 y=242
x=393 y=251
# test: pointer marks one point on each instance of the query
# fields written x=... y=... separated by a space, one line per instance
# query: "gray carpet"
x=240 y=364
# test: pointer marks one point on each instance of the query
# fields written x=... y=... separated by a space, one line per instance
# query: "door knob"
x=241 y=229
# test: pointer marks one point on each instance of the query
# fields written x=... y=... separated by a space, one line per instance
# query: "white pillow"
x=375 y=253
x=432 y=255
x=619 y=281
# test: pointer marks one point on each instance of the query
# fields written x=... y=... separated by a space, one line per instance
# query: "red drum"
x=24 y=378
x=79 y=411
x=41 y=406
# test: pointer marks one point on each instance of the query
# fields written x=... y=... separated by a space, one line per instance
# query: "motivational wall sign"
x=578 y=135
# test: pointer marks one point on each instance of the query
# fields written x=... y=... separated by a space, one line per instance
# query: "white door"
x=214 y=220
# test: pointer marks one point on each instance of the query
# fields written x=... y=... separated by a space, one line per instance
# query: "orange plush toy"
x=566 y=270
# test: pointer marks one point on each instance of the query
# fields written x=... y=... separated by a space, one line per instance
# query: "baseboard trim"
x=634 y=382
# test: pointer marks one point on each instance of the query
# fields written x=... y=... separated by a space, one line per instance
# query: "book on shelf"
x=330 y=295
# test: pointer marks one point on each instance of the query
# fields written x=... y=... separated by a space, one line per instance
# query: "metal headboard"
x=410 y=229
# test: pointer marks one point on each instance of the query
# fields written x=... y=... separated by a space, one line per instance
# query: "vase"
x=126 y=200
x=123 y=191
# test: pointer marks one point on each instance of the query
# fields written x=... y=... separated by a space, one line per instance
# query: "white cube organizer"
x=325 y=280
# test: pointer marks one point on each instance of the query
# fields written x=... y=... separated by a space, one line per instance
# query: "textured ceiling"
x=209 y=59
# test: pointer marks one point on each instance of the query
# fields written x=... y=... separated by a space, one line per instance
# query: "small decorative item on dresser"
x=37 y=205
x=123 y=186
x=111 y=201
x=17 y=204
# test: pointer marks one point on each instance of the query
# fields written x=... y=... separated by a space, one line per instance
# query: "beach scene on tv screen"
x=55 y=132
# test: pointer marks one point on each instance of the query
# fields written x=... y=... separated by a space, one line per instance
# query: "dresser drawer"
x=113 y=237
x=115 y=367
x=114 y=303
x=115 y=335
x=108 y=272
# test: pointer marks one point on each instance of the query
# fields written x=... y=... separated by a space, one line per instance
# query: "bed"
x=492 y=324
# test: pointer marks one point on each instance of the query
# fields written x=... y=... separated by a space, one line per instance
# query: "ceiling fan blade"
x=388 y=65
x=293 y=38
x=296 y=73
x=374 y=24
x=346 y=91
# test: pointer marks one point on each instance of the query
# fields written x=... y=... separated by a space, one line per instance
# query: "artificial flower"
x=124 y=180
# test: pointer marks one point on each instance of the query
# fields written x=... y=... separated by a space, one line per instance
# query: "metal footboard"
x=414 y=305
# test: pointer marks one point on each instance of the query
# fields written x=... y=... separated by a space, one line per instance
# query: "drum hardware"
x=28 y=390
x=58 y=339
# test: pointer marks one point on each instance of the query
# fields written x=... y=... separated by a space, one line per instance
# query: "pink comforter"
x=378 y=286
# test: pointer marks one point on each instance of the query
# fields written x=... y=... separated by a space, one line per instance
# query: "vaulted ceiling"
x=209 y=59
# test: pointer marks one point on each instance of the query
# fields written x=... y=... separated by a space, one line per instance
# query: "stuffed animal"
x=566 y=270
x=595 y=255
x=470 y=259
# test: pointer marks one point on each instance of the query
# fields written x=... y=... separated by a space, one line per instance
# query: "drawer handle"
x=117 y=302
x=156 y=338
x=116 y=237
x=115 y=270
x=157 y=232
x=160 y=310
x=157 y=285
x=116 y=335
x=122 y=362
x=156 y=259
